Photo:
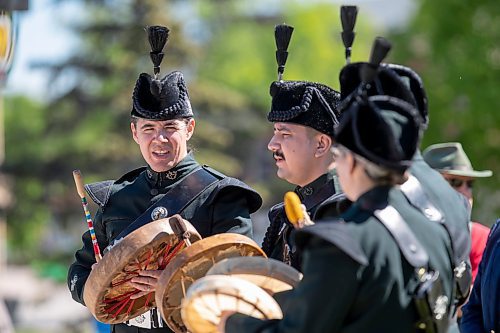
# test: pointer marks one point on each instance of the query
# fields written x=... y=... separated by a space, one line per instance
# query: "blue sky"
x=42 y=36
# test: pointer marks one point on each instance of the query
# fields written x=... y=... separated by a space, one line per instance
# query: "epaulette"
x=254 y=200
x=336 y=233
x=337 y=203
x=100 y=192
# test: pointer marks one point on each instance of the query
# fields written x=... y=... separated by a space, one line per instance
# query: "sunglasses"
x=456 y=183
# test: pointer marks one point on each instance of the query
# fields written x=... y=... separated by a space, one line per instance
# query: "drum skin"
x=107 y=293
x=191 y=264
x=271 y=275
x=208 y=297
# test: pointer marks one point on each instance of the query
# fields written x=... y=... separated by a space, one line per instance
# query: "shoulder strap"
x=409 y=245
x=175 y=200
x=417 y=197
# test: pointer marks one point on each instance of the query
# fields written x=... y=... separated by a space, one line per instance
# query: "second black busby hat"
x=382 y=129
x=391 y=80
x=305 y=103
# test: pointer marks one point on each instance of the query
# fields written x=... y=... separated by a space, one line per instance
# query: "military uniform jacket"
x=224 y=206
x=355 y=277
x=278 y=241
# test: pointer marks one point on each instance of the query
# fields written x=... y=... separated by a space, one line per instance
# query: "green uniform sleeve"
x=321 y=301
x=230 y=213
x=84 y=259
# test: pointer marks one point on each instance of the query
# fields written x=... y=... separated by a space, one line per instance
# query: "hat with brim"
x=450 y=158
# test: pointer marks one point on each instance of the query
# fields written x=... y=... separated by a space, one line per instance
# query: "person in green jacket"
x=359 y=276
x=162 y=123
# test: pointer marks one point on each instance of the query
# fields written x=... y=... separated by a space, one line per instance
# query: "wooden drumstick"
x=295 y=211
x=77 y=175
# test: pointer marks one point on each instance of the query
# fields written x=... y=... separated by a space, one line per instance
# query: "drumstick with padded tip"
x=295 y=211
x=77 y=175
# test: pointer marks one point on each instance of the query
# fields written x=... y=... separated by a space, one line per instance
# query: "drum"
x=208 y=297
x=193 y=263
x=107 y=293
x=271 y=275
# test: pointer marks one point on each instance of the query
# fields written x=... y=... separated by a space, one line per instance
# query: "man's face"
x=461 y=184
x=163 y=144
x=293 y=148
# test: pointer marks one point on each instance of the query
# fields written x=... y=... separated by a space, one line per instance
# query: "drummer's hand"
x=145 y=282
x=221 y=328
x=306 y=220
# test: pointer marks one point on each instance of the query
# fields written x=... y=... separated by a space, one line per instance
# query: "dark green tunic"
x=224 y=206
x=277 y=242
x=355 y=278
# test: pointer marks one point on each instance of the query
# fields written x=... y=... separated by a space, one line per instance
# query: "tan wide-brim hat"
x=450 y=158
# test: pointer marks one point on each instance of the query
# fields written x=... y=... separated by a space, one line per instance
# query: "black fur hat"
x=305 y=103
x=416 y=86
x=382 y=129
x=163 y=99
x=391 y=80
x=171 y=102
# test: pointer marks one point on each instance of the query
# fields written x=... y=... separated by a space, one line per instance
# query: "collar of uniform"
x=308 y=192
x=376 y=198
x=166 y=178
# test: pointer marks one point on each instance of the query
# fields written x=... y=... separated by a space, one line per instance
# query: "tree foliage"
x=458 y=57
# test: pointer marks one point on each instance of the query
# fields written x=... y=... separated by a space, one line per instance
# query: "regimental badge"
x=171 y=175
x=308 y=190
x=159 y=212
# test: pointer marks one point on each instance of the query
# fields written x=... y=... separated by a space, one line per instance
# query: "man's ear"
x=190 y=128
x=134 y=132
x=323 y=145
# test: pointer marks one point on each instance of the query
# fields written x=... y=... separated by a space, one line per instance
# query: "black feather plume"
x=282 y=35
x=157 y=36
x=348 y=15
x=380 y=49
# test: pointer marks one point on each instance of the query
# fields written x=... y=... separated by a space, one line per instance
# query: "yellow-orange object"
x=293 y=211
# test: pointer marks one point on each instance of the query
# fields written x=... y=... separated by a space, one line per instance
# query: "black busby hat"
x=413 y=81
x=382 y=129
x=163 y=99
x=391 y=80
x=305 y=103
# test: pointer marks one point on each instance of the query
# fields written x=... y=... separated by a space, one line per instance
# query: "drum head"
x=271 y=275
x=208 y=297
x=107 y=293
x=193 y=263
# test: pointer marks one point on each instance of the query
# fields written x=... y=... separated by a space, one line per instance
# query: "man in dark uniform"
x=162 y=123
x=360 y=275
x=304 y=114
